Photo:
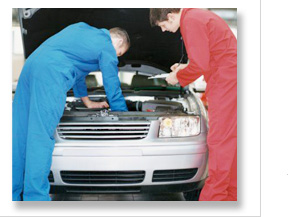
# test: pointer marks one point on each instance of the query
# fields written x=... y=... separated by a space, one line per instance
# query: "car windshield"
x=129 y=81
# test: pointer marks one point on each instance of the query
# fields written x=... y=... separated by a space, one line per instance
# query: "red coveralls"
x=212 y=52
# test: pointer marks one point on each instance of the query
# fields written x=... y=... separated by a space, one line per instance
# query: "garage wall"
x=17 y=53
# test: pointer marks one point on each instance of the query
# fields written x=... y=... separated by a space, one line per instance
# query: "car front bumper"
x=145 y=155
x=167 y=188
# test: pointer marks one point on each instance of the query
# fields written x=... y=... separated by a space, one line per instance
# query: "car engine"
x=138 y=108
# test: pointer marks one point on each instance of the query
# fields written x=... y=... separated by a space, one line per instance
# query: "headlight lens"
x=179 y=126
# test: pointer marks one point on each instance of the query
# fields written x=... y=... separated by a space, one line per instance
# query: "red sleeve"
x=195 y=34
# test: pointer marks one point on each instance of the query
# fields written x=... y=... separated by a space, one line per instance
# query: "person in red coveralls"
x=212 y=52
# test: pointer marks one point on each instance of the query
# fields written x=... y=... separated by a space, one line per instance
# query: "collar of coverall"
x=106 y=31
x=184 y=11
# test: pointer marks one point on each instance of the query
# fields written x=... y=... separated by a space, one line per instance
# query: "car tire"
x=192 y=195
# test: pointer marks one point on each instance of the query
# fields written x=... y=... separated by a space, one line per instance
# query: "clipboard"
x=163 y=76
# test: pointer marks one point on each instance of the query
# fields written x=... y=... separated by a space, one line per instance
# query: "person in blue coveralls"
x=60 y=63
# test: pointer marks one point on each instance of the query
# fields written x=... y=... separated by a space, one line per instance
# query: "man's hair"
x=160 y=14
x=121 y=33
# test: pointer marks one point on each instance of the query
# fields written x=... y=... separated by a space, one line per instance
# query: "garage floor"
x=118 y=197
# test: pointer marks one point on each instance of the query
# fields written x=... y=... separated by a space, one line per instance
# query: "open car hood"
x=149 y=45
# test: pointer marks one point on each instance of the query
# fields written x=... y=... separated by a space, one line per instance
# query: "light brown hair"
x=160 y=14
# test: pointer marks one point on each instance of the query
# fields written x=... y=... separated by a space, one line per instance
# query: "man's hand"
x=176 y=67
x=172 y=78
x=90 y=104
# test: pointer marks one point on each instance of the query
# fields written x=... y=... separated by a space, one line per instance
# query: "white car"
x=159 y=145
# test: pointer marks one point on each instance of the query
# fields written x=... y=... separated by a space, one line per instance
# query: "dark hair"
x=160 y=14
x=119 y=32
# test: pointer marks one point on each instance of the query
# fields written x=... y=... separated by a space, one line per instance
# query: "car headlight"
x=179 y=126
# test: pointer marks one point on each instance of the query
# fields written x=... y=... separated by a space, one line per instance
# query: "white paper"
x=159 y=76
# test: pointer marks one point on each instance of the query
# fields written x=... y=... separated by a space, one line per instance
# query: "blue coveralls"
x=60 y=63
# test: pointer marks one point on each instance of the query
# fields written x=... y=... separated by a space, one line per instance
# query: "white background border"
x=248 y=123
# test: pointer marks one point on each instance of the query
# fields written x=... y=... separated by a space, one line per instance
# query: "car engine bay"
x=139 y=108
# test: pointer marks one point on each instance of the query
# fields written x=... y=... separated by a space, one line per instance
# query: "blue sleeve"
x=80 y=88
x=108 y=62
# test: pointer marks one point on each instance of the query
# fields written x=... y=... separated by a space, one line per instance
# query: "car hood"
x=148 y=45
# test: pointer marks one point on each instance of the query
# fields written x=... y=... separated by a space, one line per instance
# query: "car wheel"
x=192 y=195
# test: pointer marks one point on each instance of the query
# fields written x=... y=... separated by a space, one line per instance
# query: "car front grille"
x=102 y=177
x=51 y=177
x=103 y=131
x=173 y=175
x=102 y=190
